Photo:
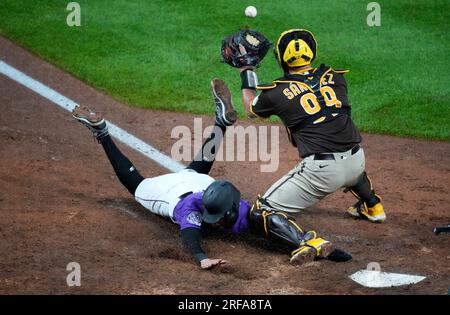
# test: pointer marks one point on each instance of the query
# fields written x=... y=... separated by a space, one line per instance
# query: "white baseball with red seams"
x=251 y=11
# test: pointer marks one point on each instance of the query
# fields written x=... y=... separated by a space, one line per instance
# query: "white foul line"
x=69 y=105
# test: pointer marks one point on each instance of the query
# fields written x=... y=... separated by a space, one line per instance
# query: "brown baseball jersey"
x=314 y=108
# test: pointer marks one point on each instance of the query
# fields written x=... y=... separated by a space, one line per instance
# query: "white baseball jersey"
x=161 y=194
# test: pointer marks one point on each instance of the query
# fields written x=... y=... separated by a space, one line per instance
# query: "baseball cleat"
x=354 y=210
x=338 y=255
x=94 y=121
x=373 y=214
x=226 y=115
x=302 y=256
x=326 y=249
x=322 y=247
x=315 y=248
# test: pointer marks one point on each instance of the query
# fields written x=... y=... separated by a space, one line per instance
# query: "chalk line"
x=68 y=104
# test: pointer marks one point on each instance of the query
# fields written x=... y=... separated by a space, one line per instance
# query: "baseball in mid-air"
x=250 y=11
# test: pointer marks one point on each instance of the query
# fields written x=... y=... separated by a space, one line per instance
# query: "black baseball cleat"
x=94 y=121
x=226 y=115
x=338 y=255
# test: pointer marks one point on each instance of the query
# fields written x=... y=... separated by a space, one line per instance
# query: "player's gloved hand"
x=245 y=48
x=209 y=263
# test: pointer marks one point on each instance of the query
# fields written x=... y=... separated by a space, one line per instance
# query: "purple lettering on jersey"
x=187 y=213
x=182 y=212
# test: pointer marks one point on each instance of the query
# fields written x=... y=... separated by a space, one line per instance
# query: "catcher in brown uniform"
x=313 y=105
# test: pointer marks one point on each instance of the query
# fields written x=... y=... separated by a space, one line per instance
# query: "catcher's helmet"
x=221 y=200
x=295 y=48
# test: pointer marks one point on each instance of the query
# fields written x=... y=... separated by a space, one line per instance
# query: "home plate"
x=378 y=279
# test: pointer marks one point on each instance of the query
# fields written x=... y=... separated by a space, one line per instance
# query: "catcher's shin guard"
x=369 y=205
x=277 y=225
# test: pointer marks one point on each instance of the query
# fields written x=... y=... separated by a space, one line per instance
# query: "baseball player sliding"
x=313 y=105
x=192 y=199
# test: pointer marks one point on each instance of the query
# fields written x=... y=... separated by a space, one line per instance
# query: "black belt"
x=330 y=156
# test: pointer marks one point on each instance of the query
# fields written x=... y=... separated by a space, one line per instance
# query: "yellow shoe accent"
x=375 y=213
x=311 y=249
x=322 y=247
x=303 y=255
x=354 y=210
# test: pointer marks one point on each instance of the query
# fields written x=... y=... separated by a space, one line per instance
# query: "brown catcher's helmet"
x=295 y=48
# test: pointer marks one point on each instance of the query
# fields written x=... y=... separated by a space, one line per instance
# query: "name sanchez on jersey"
x=297 y=88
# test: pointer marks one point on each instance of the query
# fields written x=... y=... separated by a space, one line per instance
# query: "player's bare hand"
x=209 y=263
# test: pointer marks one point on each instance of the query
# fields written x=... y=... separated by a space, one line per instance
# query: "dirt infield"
x=60 y=202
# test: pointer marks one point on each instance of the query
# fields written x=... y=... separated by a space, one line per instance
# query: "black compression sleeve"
x=192 y=239
x=204 y=159
x=125 y=170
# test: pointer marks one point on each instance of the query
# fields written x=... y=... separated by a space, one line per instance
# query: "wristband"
x=249 y=79
x=200 y=256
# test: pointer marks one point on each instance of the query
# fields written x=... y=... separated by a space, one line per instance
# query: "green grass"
x=162 y=54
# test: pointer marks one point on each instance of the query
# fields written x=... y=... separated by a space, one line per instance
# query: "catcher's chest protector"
x=317 y=98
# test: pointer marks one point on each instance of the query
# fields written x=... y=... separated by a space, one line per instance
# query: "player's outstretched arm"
x=192 y=238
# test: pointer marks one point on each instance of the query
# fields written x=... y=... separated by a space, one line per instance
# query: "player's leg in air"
x=225 y=116
x=126 y=172
x=124 y=169
x=174 y=195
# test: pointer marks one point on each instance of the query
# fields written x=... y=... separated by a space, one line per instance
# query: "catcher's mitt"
x=245 y=48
